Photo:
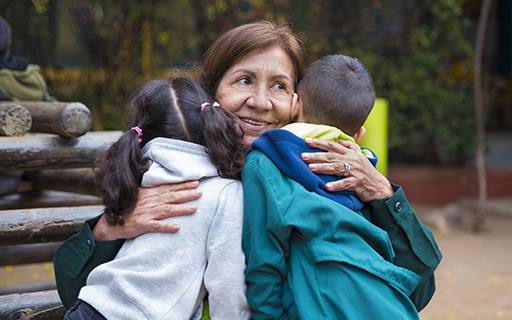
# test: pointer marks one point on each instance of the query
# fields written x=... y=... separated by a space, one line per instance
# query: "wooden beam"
x=36 y=305
x=43 y=224
x=46 y=199
x=43 y=151
x=67 y=119
x=68 y=180
x=28 y=253
x=15 y=120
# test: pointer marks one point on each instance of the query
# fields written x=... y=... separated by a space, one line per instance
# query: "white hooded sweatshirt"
x=167 y=275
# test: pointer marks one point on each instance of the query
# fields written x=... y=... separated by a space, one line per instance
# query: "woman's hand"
x=153 y=204
x=363 y=178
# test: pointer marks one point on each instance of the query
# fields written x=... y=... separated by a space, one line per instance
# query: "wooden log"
x=36 y=305
x=29 y=287
x=46 y=199
x=70 y=180
x=15 y=120
x=43 y=151
x=67 y=119
x=28 y=253
x=43 y=224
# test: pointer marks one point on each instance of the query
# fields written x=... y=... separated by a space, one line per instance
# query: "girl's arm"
x=98 y=242
x=225 y=272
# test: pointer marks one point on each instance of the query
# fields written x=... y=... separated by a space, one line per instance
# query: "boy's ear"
x=359 y=134
x=295 y=108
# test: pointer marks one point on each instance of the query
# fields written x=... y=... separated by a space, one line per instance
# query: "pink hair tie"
x=215 y=104
x=139 y=133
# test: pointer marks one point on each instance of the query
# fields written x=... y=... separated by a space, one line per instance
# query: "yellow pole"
x=376 y=137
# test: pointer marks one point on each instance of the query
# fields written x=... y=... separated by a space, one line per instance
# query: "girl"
x=181 y=134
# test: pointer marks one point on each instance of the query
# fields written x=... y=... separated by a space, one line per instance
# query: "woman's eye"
x=244 y=81
x=279 y=86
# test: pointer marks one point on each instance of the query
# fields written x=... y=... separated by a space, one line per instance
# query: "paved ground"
x=474 y=280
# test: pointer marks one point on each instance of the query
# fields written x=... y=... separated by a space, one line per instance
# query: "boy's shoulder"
x=317 y=131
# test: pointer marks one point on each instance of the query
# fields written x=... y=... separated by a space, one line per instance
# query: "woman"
x=252 y=71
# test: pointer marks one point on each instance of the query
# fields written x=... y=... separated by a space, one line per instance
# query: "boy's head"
x=336 y=90
x=5 y=39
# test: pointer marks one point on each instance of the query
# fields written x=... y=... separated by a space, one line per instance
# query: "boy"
x=312 y=254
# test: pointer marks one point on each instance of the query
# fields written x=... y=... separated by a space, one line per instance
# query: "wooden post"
x=63 y=118
x=15 y=120
x=43 y=224
x=42 y=151
x=68 y=180
x=36 y=305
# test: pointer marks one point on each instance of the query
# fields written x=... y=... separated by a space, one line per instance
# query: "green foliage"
x=431 y=117
x=409 y=46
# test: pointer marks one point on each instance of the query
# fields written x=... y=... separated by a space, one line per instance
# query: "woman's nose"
x=260 y=99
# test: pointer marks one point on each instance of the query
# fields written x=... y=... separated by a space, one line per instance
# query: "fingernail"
x=192 y=209
x=305 y=156
x=308 y=139
x=313 y=166
x=329 y=186
x=175 y=228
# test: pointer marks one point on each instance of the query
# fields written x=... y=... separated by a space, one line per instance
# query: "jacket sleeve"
x=225 y=272
x=76 y=258
x=264 y=248
x=414 y=244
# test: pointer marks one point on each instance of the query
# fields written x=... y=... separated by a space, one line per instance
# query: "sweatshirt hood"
x=173 y=161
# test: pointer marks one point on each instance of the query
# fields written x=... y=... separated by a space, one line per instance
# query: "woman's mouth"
x=254 y=122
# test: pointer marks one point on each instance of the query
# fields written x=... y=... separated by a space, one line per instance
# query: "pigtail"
x=118 y=175
x=223 y=137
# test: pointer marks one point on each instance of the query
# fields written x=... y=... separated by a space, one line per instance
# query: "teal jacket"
x=310 y=257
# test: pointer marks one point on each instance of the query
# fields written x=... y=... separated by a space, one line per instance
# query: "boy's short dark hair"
x=337 y=90
x=5 y=39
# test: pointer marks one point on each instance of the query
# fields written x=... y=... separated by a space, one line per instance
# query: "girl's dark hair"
x=170 y=109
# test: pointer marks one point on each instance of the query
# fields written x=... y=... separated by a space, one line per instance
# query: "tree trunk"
x=480 y=133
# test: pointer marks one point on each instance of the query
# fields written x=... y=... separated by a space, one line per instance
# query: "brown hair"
x=235 y=44
x=170 y=109
x=337 y=90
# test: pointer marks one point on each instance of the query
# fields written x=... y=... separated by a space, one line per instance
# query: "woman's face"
x=259 y=90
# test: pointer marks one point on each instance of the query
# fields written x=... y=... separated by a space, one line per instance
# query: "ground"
x=474 y=279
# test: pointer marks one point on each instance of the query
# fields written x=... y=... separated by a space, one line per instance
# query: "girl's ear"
x=359 y=134
x=295 y=108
